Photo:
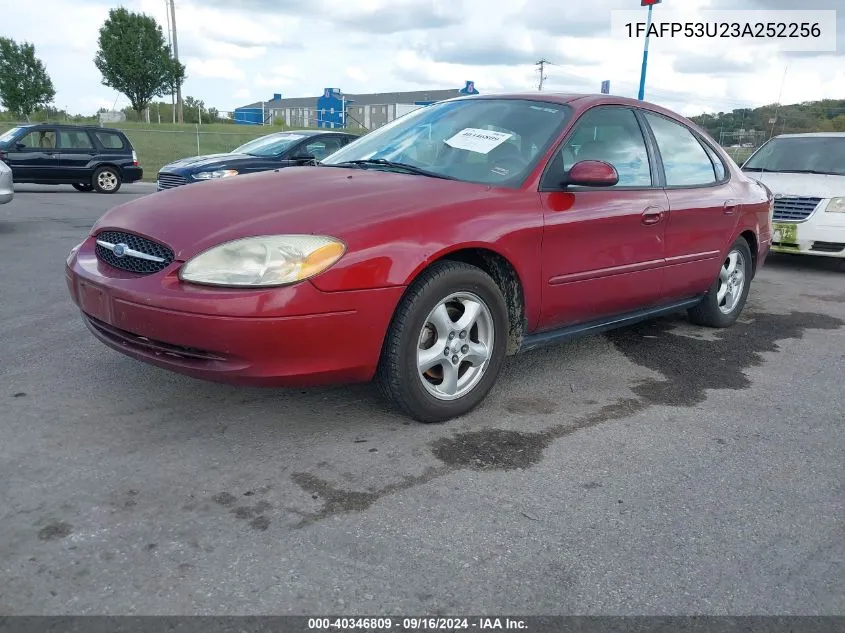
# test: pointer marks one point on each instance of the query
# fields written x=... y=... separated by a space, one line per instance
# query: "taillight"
x=134 y=158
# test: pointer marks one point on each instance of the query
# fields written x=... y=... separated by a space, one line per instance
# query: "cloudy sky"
x=241 y=51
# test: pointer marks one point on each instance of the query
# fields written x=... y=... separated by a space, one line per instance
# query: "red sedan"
x=427 y=251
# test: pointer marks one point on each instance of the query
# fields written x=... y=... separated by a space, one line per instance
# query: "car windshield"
x=9 y=135
x=271 y=145
x=801 y=154
x=482 y=140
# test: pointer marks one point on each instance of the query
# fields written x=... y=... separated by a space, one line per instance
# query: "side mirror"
x=20 y=145
x=592 y=173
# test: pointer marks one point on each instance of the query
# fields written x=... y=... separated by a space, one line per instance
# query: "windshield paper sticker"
x=476 y=140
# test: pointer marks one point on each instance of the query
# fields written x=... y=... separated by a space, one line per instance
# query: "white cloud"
x=356 y=74
x=277 y=76
x=221 y=68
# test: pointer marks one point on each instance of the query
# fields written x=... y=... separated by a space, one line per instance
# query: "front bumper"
x=291 y=336
x=823 y=234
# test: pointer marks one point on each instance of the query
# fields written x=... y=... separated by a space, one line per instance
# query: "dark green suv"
x=88 y=157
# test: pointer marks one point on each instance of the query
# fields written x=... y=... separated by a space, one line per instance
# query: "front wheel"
x=106 y=180
x=446 y=343
x=726 y=298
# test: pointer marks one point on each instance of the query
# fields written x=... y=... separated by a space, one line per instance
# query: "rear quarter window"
x=110 y=140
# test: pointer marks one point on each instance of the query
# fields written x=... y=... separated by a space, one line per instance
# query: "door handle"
x=652 y=215
x=729 y=208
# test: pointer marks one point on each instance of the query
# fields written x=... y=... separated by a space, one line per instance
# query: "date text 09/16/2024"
x=417 y=624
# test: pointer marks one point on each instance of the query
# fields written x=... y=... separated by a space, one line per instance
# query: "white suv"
x=806 y=172
x=7 y=187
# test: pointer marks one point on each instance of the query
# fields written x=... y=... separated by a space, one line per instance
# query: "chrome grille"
x=794 y=209
x=160 y=254
x=168 y=181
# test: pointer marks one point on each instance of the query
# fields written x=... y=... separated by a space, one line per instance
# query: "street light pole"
x=650 y=4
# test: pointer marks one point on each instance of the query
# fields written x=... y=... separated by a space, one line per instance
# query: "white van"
x=7 y=188
x=806 y=173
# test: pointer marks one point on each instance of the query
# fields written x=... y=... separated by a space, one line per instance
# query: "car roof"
x=75 y=126
x=813 y=135
x=311 y=132
x=584 y=101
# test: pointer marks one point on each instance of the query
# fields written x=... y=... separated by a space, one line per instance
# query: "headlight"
x=268 y=260
x=220 y=173
x=836 y=205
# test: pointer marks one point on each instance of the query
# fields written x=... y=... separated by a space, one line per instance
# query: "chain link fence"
x=159 y=144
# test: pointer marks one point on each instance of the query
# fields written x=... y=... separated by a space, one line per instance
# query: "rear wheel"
x=106 y=180
x=726 y=298
x=83 y=186
x=446 y=344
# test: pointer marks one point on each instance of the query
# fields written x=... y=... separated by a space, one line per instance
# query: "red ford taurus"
x=427 y=251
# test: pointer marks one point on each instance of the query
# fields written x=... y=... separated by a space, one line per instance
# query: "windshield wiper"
x=794 y=171
x=382 y=162
x=808 y=171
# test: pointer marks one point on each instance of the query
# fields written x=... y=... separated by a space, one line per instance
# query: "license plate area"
x=94 y=301
x=786 y=234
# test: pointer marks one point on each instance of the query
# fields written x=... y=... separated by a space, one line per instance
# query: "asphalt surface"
x=663 y=469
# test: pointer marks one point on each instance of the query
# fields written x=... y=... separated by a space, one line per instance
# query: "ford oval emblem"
x=120 y=250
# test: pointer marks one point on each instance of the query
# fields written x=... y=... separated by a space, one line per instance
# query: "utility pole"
x=774 y=119
x=176 y=57
x=542 y=66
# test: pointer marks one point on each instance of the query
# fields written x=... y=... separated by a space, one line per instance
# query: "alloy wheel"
x=731 y=282
x=455 y=346
x=107 y=180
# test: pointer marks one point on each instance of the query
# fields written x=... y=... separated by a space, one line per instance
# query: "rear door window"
x=110 y=140
x=75 y=139
x=685 y=162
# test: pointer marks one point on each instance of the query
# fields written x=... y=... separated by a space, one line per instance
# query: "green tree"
x=135 y=59
x=24 y=83
x=193 y=108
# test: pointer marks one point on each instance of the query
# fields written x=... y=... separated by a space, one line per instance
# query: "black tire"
x=398 y=376
x=106 y=175
x=85 y=187
x=711 y=312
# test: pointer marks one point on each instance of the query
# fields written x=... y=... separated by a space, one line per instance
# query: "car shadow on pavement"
x=131 y=189
x=785 y=261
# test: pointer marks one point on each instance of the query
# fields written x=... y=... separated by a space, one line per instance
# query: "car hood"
x=212 y=160
x=803 y=185
x=331 y=201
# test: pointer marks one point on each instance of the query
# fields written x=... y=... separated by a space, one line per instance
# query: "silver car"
x=7 y=188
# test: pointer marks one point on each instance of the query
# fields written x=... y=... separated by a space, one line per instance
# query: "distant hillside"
x=748 y=125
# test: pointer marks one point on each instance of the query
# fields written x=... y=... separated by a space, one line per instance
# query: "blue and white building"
x=335 y=109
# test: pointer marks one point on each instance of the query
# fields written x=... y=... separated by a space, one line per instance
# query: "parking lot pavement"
x=661 y=469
